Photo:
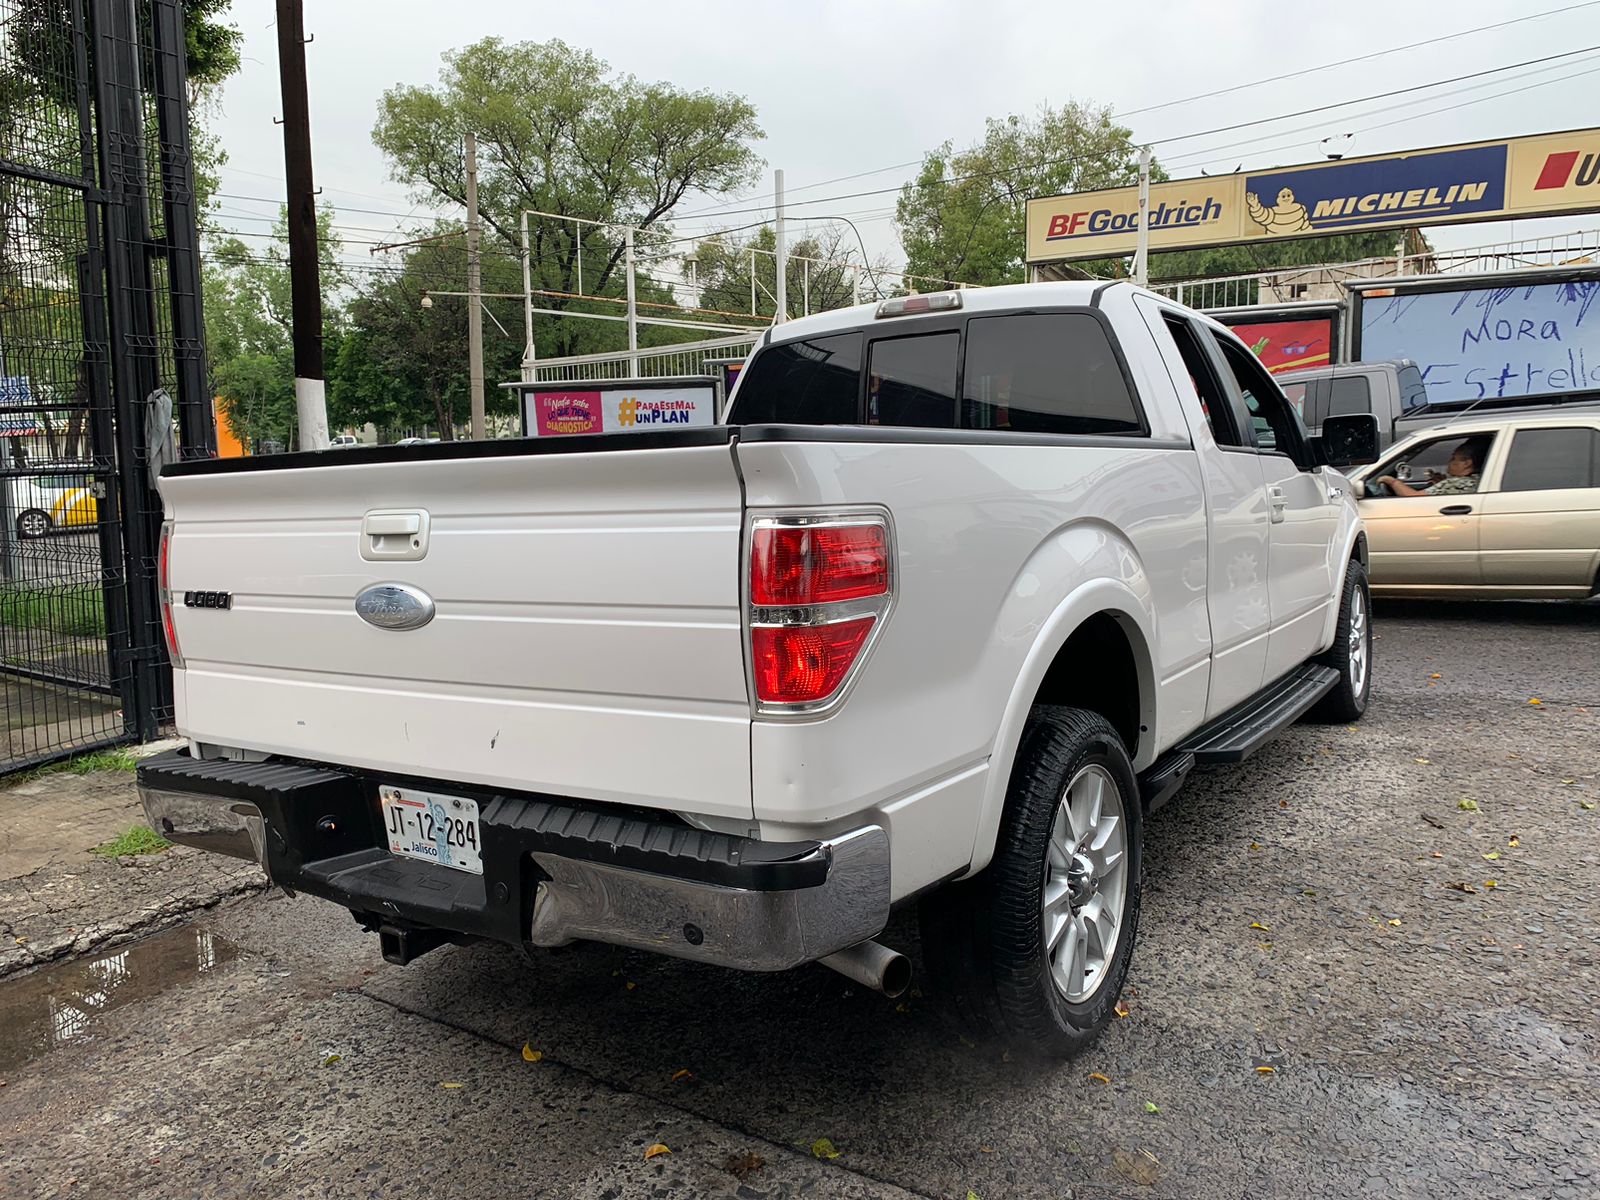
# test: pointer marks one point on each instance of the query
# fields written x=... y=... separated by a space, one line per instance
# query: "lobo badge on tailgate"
x=434 y=828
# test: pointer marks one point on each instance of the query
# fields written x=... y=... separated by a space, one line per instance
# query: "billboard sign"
x=1484 y=342
x=620 y=406
x=1542 y=175
x=1288 y=345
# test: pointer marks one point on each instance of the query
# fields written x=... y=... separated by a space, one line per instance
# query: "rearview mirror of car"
x=1349 y=440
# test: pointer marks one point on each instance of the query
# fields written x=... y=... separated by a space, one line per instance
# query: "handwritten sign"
x=1482 y=343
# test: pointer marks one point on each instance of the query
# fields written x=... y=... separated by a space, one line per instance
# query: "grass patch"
x=70 y=610
x=137 y=840
x=83 y=764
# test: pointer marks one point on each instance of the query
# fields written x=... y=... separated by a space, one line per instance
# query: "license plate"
x=437 y=829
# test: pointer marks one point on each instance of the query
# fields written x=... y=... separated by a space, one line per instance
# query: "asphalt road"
x=1327 y=911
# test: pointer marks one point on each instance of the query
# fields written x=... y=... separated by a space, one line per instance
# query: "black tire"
x=1348 y=700
x=983 y=940
x=33 y=522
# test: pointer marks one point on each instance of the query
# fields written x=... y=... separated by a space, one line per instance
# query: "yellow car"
x=44 y=503
x=1497 y=507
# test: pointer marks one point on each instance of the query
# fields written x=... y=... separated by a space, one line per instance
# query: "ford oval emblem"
x=394 y=606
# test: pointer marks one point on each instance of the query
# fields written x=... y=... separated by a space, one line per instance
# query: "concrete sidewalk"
x=57 y=897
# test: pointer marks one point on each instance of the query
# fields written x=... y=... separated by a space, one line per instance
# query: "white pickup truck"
x=963 y=586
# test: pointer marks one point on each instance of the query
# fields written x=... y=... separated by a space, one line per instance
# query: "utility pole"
x=527 y=302
x=1141 y=256
x=781 y=299
x=305 y=288
x=633 y=310
x=474 y=294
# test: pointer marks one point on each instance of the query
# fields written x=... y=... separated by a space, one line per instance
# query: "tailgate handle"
x=394 y=535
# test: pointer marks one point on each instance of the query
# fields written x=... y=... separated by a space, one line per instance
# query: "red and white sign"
x=618 y=408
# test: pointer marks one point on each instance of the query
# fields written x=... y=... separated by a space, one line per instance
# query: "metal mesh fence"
x=101 y=363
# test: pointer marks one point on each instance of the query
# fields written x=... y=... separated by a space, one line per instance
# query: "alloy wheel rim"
x=33 y=525
x=1085 y=885
x=1359 y=646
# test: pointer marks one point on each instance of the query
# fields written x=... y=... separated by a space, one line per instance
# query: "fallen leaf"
x=682 y=1073
x=1395 y=921
x=1436 y=675
x=966 y=1041
x=632 y=985
x=1535 y=700
x=1260 y=926
x=1586 y=805
x=1121 y=1009
x=452 y=1086
x=985 y=1149
x=1283 y=804
x=823 y=1148
x=1352 y=729
x=1514 y=841
x=902 y=1007
x=1099 y=1078
x=331 y=1059
x=656 y=1151
x=1492 y=855
x=1490 y=883
x=1467 y=805
x=1150 y=1107
x=1266 y=1070
x=1569 y=782
x=1255 y=845
x=529 y=1054
x=972 y=1195
x=1265 y=945
x=1462 y=887
x=1425 y=761
x=742 y=1166
x=1144 y=1171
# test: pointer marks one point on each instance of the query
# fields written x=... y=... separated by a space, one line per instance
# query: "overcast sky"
x=843 y=87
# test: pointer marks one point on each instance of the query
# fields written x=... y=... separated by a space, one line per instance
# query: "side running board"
x=1241 y=731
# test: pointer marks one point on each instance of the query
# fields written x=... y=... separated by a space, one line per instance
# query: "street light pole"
x=474 y=295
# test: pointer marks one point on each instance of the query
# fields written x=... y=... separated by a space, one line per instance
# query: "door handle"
x=395 y=535
x=1276 y=499
x=1455 y=510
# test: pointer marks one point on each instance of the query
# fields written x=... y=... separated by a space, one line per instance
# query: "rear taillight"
x=164 y=583
x=820 y=586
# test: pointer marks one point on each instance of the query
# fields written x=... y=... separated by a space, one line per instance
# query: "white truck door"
x=1304 y=517
x=1237 y=550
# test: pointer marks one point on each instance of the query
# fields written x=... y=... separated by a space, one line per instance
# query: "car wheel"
x=33 y=523
x=1351 y=652
x=1037 y=947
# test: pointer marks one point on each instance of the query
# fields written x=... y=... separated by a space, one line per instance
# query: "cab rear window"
x=1052 y=372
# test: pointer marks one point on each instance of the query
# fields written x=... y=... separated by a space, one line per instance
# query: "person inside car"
x=1463 y=475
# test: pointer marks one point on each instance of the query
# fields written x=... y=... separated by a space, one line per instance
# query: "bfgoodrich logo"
x=1558 y=170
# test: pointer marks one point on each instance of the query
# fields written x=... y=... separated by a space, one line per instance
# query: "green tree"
x=961 y=218
x=248 y=321
x=559 y=131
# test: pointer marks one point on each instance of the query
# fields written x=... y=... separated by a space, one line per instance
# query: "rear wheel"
x=1351 y=652
x=33 y=523
x=1037 y=948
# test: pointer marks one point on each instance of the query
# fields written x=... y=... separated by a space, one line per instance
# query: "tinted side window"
x=1213 y=400
x=912 y=381
x=1413 y=392
x=1271 y=418
x=1044 y=373
x=1543 y=459
x=1350 y=394
x=813 y=382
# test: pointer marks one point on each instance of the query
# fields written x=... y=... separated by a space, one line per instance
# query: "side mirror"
x=1348 y=440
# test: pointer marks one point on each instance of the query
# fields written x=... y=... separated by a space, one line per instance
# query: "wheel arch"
x=1100 y=631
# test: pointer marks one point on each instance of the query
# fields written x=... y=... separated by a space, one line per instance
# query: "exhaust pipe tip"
x=873 y=965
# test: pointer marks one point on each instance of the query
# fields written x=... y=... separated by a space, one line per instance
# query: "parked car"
x=1395 y=392
x=963 y=589
x=46 y=503
x=343 y=441
x=1523 y=521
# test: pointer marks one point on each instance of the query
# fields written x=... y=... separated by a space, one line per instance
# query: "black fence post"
x=134 y=348
x=197 y=433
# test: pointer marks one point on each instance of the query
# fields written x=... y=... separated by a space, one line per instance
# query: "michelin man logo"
x=1288 y=216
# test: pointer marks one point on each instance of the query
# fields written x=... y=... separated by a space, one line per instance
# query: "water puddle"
x=60 y=1005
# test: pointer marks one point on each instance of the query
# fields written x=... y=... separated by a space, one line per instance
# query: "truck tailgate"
x=586 y=640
